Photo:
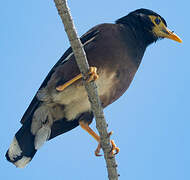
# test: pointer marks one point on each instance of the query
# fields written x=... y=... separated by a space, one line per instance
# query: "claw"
x=93 y=74
x=110 y=133
x=115 y=150
x=97 y=151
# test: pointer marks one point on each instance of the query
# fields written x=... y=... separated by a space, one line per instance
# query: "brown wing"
x=86 y=39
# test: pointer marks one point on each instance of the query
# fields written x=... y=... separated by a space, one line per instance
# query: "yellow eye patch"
x=155 y=20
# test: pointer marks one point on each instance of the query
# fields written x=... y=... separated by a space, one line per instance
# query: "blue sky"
x=150 y=122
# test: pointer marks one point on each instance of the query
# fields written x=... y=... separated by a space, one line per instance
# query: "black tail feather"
x=22 y=149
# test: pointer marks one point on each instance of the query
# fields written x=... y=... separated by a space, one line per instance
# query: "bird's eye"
x=157 y=21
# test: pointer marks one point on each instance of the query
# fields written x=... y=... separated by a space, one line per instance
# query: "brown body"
x=114 y=76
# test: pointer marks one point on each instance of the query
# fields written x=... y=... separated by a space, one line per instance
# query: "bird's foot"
x=115 y=150
x=93 y=74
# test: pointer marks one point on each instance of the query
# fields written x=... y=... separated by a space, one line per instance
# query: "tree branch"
x=91 y=87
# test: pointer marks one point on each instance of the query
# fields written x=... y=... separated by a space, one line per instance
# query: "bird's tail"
x=34 y=132
x=38 y=127
x=22 y=148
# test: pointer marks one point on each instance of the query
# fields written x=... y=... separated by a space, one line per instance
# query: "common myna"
x=114 y=52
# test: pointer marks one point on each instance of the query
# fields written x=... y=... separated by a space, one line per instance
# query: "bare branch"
x=91 y=88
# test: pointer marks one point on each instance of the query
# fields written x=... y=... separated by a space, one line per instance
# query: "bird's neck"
x=141 y=36
x=135 y=45
x=137 y=30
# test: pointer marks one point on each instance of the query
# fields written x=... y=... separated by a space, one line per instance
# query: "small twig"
x=91 y=88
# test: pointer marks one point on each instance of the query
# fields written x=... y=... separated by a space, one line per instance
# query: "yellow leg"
x=93 y=76
x=86 y=127
x=115 y=150
x=63 y=86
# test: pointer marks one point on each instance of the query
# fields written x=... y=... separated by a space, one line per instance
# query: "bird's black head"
x=147 y=26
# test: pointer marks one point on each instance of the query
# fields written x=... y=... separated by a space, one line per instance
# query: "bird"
x=114 y=52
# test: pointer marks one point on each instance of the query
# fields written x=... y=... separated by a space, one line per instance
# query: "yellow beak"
x=171 y=35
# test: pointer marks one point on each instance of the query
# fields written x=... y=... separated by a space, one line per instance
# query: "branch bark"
x=91 y=87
